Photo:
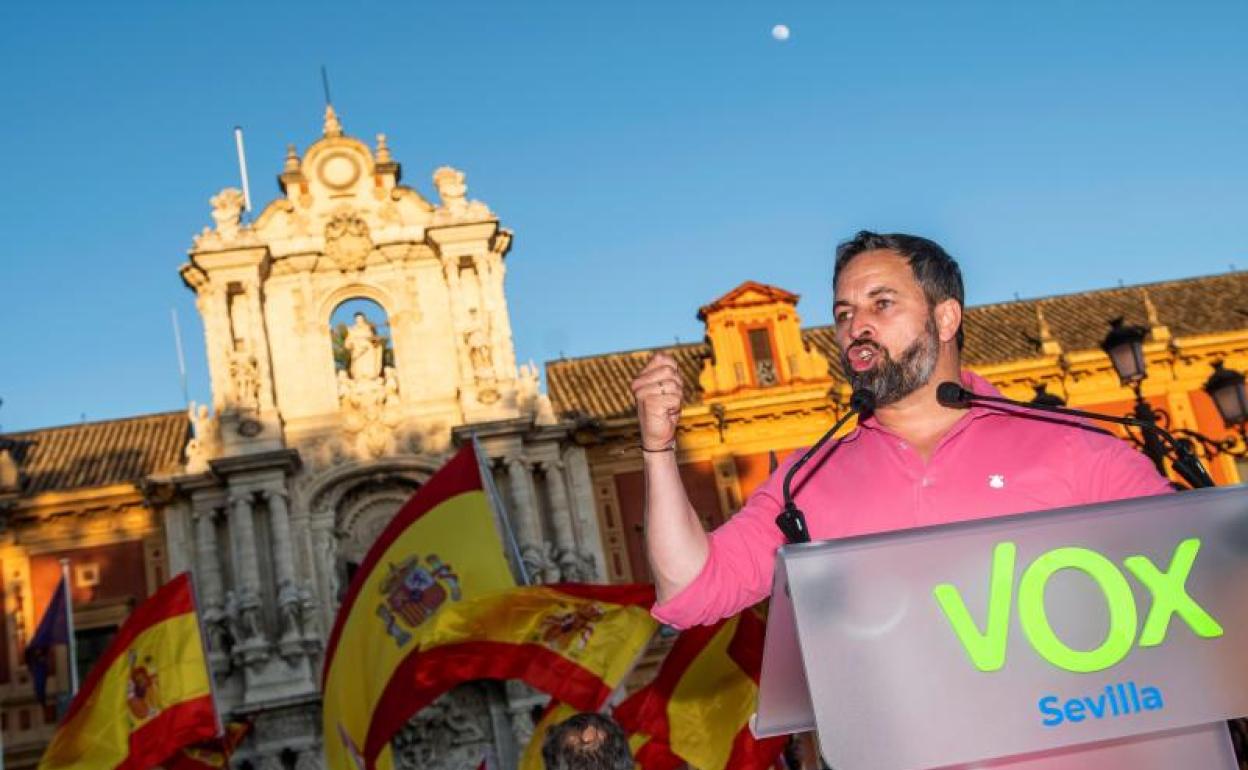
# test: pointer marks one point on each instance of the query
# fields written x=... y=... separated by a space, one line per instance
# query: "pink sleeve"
x=738 y=568
x=1115 y=470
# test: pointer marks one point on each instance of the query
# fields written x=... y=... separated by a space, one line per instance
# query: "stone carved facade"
x=302 y=460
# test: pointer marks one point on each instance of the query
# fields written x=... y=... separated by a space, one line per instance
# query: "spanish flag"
x=148 y=696
x=442 y=548
x=212 y=754
x=699 y=704
x=573 y=642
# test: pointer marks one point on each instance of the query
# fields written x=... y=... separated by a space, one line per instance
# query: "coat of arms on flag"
x=412 y=592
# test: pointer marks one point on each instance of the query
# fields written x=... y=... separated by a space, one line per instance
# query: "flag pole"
x=203 y=643
x=496 y=502
x=69 y=629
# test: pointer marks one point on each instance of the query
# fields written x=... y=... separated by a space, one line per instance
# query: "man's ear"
x=948 y=316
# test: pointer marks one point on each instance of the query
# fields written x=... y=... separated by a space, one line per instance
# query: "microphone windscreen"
x=951 y=394
x=862 y=401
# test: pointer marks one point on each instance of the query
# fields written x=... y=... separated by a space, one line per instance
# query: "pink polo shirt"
x=992 y=462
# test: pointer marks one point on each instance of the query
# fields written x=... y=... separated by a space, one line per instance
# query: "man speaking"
x=898 y=302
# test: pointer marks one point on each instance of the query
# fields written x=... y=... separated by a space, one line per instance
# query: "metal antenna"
x=325 y=85
x=242 y=167
x=177 y=341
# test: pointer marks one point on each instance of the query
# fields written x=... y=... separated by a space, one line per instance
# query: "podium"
x=1105 y=636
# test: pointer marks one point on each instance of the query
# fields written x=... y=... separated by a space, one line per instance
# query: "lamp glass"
x=1231 y=402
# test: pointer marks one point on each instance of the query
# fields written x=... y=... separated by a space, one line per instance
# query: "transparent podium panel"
x=1019 y=636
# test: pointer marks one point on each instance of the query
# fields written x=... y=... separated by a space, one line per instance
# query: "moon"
x=780 y=32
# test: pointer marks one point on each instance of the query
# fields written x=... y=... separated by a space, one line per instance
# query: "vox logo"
x=986 y=647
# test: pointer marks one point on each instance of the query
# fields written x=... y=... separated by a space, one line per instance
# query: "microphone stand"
x=790 y=520
x=1182 y=458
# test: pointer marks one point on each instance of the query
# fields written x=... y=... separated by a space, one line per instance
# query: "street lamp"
x=1226 y=388
x=1125 y=347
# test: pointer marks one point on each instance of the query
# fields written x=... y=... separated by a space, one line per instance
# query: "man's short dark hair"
x=933 y=268
x=586 y=742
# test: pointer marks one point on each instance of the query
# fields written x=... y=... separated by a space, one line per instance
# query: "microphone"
x=1185 y=462
x=791 y=521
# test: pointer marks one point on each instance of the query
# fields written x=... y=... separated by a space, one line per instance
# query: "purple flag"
x=53 y=630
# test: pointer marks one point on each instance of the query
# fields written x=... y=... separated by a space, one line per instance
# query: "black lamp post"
x=1125 y=347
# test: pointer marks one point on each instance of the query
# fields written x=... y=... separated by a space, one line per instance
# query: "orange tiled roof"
x=97 y=454
x=597 y=386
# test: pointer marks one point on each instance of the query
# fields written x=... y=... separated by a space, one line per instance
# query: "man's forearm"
x=676 y=543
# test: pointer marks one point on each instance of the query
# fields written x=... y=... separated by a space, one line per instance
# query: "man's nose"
x=860 y=329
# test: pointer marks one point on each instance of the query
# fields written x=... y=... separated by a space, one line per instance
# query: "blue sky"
x=649 y=155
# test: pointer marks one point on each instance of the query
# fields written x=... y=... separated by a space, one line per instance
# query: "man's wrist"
x=647 y=449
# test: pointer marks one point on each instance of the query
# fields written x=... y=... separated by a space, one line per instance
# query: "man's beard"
x=890 y=380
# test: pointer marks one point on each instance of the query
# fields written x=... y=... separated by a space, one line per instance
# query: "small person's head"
x=586 y=742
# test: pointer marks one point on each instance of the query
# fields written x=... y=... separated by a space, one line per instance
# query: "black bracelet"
x=670 y=447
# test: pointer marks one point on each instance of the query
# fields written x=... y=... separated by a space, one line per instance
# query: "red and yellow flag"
x=442 y=548
x=211 y=754
x=148 y=696
x=573 y=642
x=699 y=704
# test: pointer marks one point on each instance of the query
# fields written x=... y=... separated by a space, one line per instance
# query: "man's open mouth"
x=862 y=356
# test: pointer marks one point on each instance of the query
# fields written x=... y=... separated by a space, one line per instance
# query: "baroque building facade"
x=356 y=333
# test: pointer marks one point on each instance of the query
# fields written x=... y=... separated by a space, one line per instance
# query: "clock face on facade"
x=338 y=170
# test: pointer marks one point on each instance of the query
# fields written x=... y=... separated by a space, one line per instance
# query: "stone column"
x=209 y=572
x=561 y=512
x=246 y=567
x=283 y=545
x=208 y=576
x=525 y=517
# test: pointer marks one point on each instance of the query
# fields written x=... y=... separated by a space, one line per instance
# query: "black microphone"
x=1185 y=462
x=791 y=521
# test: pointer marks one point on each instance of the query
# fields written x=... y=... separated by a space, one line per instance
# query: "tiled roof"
x=597 y=386
x=97 y=454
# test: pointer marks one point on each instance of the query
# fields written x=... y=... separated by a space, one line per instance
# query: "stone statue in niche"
x=365 y=349
x=456 y=207
x=480 y=355
x=244 y=379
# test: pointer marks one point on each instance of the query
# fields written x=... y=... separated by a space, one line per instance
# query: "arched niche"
x=360 y=339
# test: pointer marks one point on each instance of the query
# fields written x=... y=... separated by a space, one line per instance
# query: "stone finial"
x=453 y=191
x=1049 y=345
x=1158 y=331
x=292 y=160
x=333 y=127
x=383 y=150
x=227 y=212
